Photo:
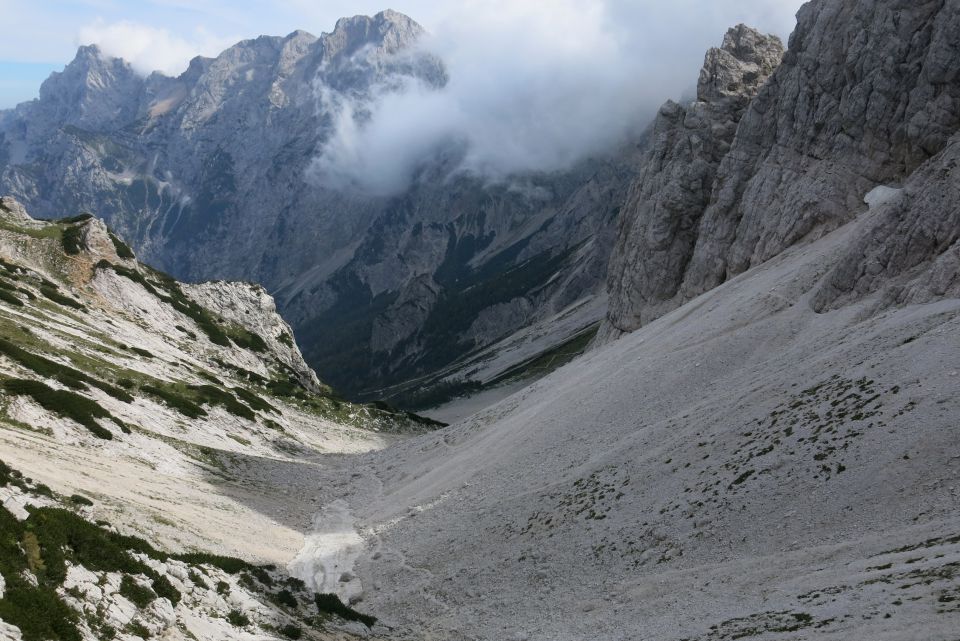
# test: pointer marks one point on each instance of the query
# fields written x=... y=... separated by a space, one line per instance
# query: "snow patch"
x=882 y=195
x=326 y=561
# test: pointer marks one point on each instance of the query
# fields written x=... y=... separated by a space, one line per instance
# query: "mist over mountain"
x=550 y=363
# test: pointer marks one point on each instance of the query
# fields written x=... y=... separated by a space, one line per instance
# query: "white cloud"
x=533 y=87
x=149 y=48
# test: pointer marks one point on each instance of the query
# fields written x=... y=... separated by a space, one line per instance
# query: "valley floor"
x=741 y=468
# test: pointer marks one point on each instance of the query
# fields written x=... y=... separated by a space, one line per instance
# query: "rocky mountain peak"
x=92 y=91
x=389 y=31
x=740 y=66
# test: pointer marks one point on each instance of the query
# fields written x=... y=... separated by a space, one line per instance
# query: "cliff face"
x=661 y=217
x=866 y=94
x=212 y=175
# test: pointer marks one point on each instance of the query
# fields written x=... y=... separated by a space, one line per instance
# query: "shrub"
x=141 y=596
x=10 y=476
x=237 y=618
x=331 y=604
x=57 y=297
x=213 y=395
x=141 y=352
x=254 y=401
x=138 y=629
x=183 y=405
x=71 y=239
x=38 y=612
x=75 y=219
x=285 y=597
x=186 y=331
x=12 y=268
x=223 y=587
x=123 y=250
x=61 y=532
x=77 y=499
x=63 y=403
x=174 y=296
x=197 y=579
x=248 y=340
x=164 y=589
x=291 y=631
x=9 y=297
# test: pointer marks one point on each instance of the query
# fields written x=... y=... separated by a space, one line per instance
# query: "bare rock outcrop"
x=909 y=253
x=661 y=218
x=866 y=94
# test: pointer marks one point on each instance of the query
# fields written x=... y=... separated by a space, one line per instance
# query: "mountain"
x=865 y=96
x=764 y=442
x=140 y=401
x=212 y=175
x=761 y=442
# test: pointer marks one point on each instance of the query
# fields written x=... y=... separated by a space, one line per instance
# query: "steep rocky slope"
x=742 y=467
x=660 y=220
x=213 y=174
x=866 y=94
x=772 y=453
x=150 y=399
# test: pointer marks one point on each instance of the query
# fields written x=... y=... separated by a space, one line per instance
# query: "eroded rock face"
x=661 y=218
x=909 y=253
x=866 y=94
x=251 y=307
x=225 y=172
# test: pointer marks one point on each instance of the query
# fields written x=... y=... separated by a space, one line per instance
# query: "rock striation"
x=865 y=96
x=661 y=217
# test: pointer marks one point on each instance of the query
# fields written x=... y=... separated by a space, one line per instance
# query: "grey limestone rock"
x=866 y=94
x=685 y=146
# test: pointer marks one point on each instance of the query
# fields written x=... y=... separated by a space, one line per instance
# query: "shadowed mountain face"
x=214 y=174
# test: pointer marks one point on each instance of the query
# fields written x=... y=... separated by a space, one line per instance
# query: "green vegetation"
x=188 y=399
x=177 y=401
x=237 y=618
x=9 y=297
x=138 y=629
x=140 y=595
x=142 y=352
x=78 y=499
x=52 y=539
x=64 y=374
x=55 y=295
x=165 y=590
x=72 y=239
x=331 y=604
x=437 y=394
x=174 y=296
x=247 y=339
x=548 y=361
x=254 y=401
x=12 y=268
x=70 y=220
x=63 y=403
x=211 y=395
x=285 y=597
x=123 y=250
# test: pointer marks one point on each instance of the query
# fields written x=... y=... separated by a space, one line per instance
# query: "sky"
x=41 y=36
x=534 y=85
